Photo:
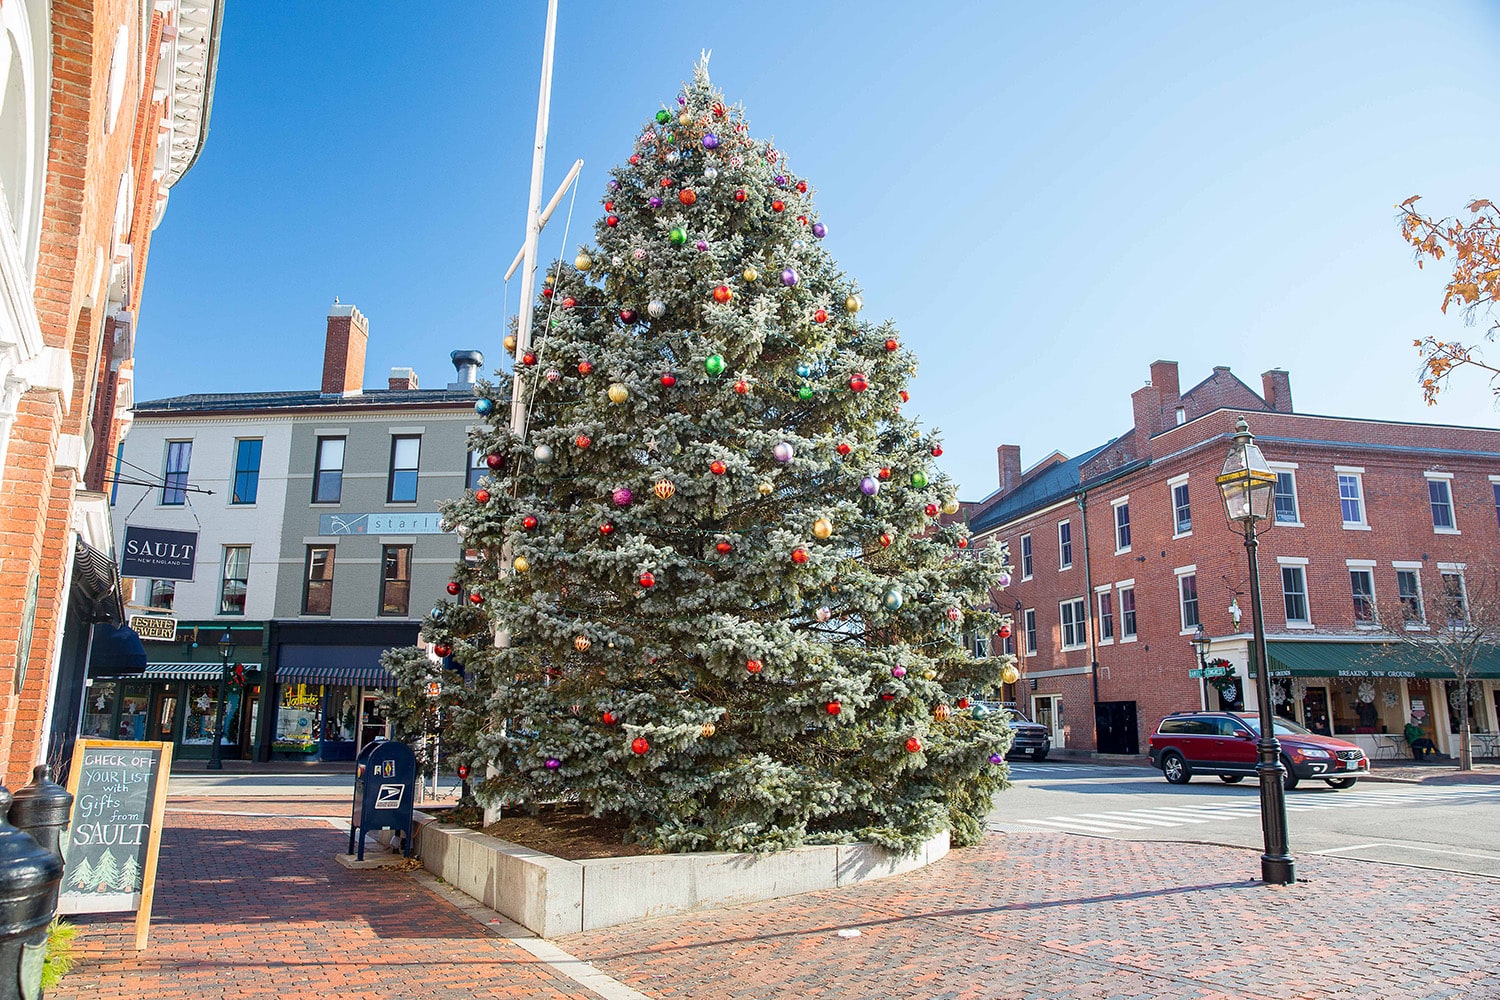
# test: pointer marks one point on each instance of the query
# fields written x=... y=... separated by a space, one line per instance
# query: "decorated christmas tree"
x=712 y=590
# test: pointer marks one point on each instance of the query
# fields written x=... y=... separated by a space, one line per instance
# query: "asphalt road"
x=1454 y=828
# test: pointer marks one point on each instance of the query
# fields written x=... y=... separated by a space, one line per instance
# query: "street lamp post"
x=1249 y=487
x=226 y=653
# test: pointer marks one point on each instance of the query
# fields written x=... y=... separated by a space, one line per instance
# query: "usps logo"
x=389 y=796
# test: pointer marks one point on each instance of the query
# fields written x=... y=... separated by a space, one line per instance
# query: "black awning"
x=354 y=676
x=96 y=585
x=115 y=650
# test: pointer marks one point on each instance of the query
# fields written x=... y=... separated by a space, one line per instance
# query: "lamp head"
x=226 y=645
x=1200 y=642
x=1247 y=483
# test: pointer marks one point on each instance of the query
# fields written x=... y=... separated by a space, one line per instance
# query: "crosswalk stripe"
x=1136 y=817
x=1085 y=825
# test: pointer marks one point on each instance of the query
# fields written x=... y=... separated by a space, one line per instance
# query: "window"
x=1073 y=614
x=1362 y=589
x=1122 y=526
x=1352 y=499
x=160 y=594
x=1294 y=594
x=328 y=472
x=174 y=483
x=1286 y=498
x=1495 y=485
x=1106 y=617
x=317 y=594
x=1064 y=545
x=979 y=646
x=234 y=579
x=1455 y=595
x=1187 y=593
x=1440 y=497
x=402 y=487
x=1031 y=631
x=477 y=468
x=246 y=470
x=1026 y=548
x=1409 y=591
x=1127 y=613
x=395 y=579
x=1182 y=510
x=1008 y=644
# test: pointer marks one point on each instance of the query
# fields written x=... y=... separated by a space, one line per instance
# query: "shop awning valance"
x=184 y=672
x=369 y=675
x=1366 y=659
x=115 y=650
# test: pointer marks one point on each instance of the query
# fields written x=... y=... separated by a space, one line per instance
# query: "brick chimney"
x=1164 y=378
x=344 y=352
x=1146 y=403
x=402 y=378
x=1010 y=467
x=1276 y=388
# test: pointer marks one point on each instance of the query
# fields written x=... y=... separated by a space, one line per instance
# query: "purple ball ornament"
x=819 y=230
x=654 y=201
x=783 y=452
x=553 y=763
x=898 y=671
x=869 y=486
x=702 y=246
x=681 y=101
x=622 y=496
x=1003 y=580
x=789 y=278
x=710 y=141
x=781 y=180
x=995 y=758
x=613 y=185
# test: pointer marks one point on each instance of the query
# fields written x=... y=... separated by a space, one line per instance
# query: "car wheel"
x=1038 y=755
x=1340 y=782
x=1231 y=779
x=1176 y=769
x=1289 y=779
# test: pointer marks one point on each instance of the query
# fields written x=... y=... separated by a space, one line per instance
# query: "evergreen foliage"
x=727 y=606
x=415 y=715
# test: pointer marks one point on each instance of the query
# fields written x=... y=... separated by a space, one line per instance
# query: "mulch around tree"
x=570 y=832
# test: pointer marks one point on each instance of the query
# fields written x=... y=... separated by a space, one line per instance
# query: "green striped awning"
x=182 y=672
x=1366 y=659
x=368 y=675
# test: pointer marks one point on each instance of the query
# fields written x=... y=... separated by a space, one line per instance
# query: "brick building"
x=104 y=106
x=1120 y=553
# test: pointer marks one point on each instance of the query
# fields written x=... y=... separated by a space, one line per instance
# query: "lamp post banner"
x=158 y=553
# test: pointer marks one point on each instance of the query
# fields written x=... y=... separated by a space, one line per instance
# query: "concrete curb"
x=553 y=897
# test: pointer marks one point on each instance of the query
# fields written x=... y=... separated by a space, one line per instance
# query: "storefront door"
x=164 y=716
x=1047 y=709
x=1315 y=711
x=372 y=725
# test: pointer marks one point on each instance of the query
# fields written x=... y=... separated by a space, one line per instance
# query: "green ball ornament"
x=805 y=393
x=919 y=480
x=678 y=236
x=662 y=117
x=714 y=364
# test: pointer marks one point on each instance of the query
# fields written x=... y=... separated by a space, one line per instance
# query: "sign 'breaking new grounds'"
x=119 y=795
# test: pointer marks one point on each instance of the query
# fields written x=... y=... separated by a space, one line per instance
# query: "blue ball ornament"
x=894 y=600
x=804 y=370
x=484 y=407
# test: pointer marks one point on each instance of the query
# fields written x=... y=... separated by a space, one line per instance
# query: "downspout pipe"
x=1088 y=597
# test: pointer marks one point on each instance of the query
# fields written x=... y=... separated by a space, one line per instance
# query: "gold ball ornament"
x=950 y=506
x=709 y=729
x=510 y=343
x=853 y=304
x=618 y=393
x=686 y=118
x=930 y=674
x=1010 y=674
x=522 y=564
x=582 y=644
x=583 y=262
x=822 y=528
x=942 y=713
x=664 y=489
x=751 y=274
x=764 y=489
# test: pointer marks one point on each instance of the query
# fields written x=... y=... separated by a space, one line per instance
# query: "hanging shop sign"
x=158 y=553
x=162 y=628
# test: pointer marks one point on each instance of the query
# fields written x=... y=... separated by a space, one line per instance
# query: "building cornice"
x=195 y=63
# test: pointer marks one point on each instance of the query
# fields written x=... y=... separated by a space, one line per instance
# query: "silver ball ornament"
x=894 y=599
x=656 y=309
x=542 y=454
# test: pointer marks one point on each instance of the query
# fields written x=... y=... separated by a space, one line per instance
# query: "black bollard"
x=30 y=876
x=41 y=809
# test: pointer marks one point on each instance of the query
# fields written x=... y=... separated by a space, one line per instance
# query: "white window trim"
x=1444 y=477
x=1120 y=612
x=1028 y=626
x=1365 y=566
x=1413 y=567
x=1452 y=567
x=1081 y=626
x=1430 y=474
x=1301 y=562
x=1297 y=500
x=1358 y=474
x=1172 y=485
x=1362 y=563
x=1114 y=615
x=1179 y=573
x=1114 y=516
x=1357 y=470
x=1069 y=522
x=1026 y=537
x=1291 y=560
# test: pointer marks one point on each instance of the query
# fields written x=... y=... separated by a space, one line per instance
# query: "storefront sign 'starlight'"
x=382 y=523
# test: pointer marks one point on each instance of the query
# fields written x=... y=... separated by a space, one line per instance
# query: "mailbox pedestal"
x=385 y=783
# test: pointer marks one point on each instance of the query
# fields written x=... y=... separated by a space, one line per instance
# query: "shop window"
x=328 y=470
x=395 y=580
x=246 y=471
x=135 y=709
x=402 y=485
x=299 y=719
x=99 y=710
x=317 y=593
x=174 y=483
x=236 y=580
x=198 y=726
x=340 y=715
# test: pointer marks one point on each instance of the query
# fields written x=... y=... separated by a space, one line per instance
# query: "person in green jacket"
x=1417 y=739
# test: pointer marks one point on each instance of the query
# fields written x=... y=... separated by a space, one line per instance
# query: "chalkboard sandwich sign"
x=119 y=797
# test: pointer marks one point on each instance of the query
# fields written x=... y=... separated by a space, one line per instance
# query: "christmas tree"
x=83 y=876
x=129 y=878
x=711 y=590
x=106 y=871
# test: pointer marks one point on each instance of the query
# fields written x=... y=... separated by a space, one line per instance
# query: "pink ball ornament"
x=898 y=671
x=783 y=452
x=995 y=758
x=622 y=496
x=954 y=614
x=553 y=763
x=1003 y=579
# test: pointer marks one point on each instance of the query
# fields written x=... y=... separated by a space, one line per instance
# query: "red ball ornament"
x=718 y=110
x=799 y=556
x=529 y=358
x=609 y=206
x=777 y=206
x=585 y=367
x=722 y=294
x=494 y=460
x=885 y=540
x=635 y=159
x=963 y=703
x=741 y=387
x=754 y=666
x=547 y=293
x=453 y=588
x=887 y=696
x=669 y=380
x=611 y=221
x=717 y=468
x=1005 y=631
x=858 y=383
x=802 y=219
x=476 y=598
x=913 y=745
x=905 y=396
x=833 y=708
x=639 y=745
x=687 y=196
x=884 y=473
x=627 y=315
x=606 y=528
x=932 y=510
x=892 y=344
x=528 y=522
x=666 y=182
x=608 y=718
x=843 y=448
x=443 y=649
x=937 y=450
x=482 y=496
x=724 y=548
x=963 y=543
x=583 y=441
x=647 y=579
x=821 y=316
x=802 y=187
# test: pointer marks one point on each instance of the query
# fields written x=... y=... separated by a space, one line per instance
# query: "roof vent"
x=466 y=363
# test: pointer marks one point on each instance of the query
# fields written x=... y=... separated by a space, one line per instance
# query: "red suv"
x=1224 y=743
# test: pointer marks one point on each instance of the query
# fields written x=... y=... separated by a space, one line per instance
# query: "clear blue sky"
x=1045 y=197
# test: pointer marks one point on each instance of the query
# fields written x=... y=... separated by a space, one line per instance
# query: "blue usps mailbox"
x=385 y=782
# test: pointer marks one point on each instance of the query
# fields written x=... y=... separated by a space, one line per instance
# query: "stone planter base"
x=553 y=897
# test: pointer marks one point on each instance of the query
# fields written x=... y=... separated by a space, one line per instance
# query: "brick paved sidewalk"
x=1060 y=916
